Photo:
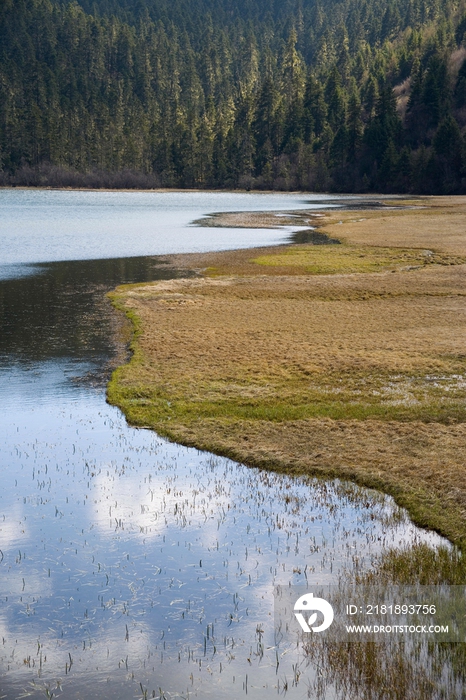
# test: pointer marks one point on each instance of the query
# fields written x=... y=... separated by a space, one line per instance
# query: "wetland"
x=133 y=566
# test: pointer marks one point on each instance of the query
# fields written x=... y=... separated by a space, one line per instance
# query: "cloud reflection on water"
x=151 y=563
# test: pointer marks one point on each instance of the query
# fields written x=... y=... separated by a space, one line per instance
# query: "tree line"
x=357 y=95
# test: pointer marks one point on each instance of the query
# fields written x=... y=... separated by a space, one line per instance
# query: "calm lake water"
x=44 y=225
x=131 y=567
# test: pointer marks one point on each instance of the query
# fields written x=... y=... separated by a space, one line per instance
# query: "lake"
x=132 y=567
x=47 y=225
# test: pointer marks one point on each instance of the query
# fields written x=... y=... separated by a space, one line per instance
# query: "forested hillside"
x=349 y=95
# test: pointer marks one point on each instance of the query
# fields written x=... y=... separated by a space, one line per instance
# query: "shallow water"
x=137 y=561
x=132 y=567
x=50 y=225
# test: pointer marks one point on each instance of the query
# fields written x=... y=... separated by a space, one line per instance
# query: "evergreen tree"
x=449 y=155
x=290 y=94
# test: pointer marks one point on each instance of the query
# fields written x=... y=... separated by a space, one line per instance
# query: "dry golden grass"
x=355 y=375
x=258 y=219
x=440 y=225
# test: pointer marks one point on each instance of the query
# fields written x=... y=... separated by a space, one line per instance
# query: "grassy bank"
x=338 y=360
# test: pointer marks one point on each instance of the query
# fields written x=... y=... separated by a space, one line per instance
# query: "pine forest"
x=321 y=95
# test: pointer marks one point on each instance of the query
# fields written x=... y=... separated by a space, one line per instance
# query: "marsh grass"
x=349 y=259
x=402 y=399
x=342 y=360
x=422 y=564
x=318 y=361
x=397 y=668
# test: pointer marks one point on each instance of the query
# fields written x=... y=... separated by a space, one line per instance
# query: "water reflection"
x=60 y=311
x=131 y=567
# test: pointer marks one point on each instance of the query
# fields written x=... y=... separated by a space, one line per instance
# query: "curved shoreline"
x=416 y=460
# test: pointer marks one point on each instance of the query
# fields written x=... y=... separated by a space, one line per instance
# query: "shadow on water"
x=60 y=311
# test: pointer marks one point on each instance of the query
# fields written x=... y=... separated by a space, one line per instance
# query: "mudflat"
x=346 y=359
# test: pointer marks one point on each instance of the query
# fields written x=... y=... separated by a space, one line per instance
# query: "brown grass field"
x=341 y=360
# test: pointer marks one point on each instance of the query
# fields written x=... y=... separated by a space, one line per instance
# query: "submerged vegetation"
x=398 y=668
x=344 y=96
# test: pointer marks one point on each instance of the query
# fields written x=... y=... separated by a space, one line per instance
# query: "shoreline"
x=337 y=195
x=211 y=407
x=175 y=189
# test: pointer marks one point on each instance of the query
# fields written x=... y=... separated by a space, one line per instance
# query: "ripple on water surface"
x=132 y=565
x=44 y=225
